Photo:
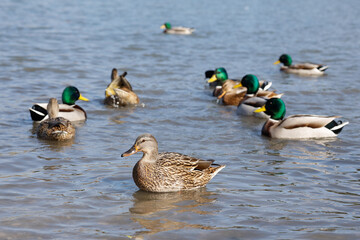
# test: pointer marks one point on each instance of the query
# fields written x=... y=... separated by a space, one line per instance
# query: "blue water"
x=270 y=189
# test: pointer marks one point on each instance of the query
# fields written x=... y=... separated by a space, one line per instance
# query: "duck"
x=168 y=29
x=254 y=98
x=297 y=126
x=68 y=109
x=54 y=127
x=219 y=78
x=119 y=92
x=168 y=171
x=300 y=68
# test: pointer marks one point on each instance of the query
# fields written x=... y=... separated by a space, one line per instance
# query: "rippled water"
x=270 y=189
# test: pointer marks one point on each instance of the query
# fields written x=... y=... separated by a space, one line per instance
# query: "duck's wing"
x=311 y=121
x=309 y=66
x=181 y=161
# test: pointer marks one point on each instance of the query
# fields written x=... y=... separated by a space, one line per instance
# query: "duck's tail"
x=266 y=85
x=37 y=113
x=336 y=126
x=322 y=68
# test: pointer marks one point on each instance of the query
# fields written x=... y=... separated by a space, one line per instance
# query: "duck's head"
x=284 y=59
x=251 y=82
x=220 y=74
x=274 y=107
x=71 y=94
x=145 y=143
x=166 y=25
x=53 y=108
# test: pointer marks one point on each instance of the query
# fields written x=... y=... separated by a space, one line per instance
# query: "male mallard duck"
x=168 y=171
x=119 y=91
x=297 y=126
x=176 y=30
x=254 y=98
x=55 y=128
x=219 y=78
x=300 y=68
x=67 y=110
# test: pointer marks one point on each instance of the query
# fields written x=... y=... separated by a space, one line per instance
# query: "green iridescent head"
x=220 y=74
x=71 y=94
x=166 y=25
x=285 y=59
x=275 y=108
x=251 y=82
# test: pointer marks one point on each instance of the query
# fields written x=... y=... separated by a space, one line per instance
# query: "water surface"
x=270 y=189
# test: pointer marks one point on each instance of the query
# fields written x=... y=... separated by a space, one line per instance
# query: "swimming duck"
x=67 y=110
x=297 y=126
x=55 y=127
x=119 y=91
x=300 y=68
x=220 y=79
x=168 y=171
x=176 y=30
x=254 y=98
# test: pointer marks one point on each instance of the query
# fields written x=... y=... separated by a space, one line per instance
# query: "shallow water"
x=270 y=189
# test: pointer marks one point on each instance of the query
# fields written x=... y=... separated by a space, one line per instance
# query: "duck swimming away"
x=55 y=128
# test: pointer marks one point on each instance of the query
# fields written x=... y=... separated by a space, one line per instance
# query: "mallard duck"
x=119 y=91
x=297 y=126
x=254 y=98
x=219 y=78
x=233 y=93
x=168 y=171
x=176 y=30
x=55 y=127
x=300 y=68
x=67 y=110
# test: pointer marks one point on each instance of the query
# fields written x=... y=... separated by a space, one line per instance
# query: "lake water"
x=270 y=189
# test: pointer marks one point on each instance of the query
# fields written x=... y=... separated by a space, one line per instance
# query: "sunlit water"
x=270 y=189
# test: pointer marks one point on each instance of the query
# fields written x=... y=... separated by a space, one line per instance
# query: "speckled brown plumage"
x=169 y=171
x=55 y=128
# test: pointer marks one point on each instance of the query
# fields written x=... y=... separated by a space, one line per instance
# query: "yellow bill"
x=163 y=26
x=262 y=109
x=238 y=85
x=277 y=62
x=212 y=79
x=83 y=98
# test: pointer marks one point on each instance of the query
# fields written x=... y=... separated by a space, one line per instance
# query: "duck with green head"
x=168 y=29
x=219 y=77
x=297 y=126
x=254 y=98
x=300 y=68
x=68 y=110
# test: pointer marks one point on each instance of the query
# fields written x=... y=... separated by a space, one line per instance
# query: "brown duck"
x=168 y=171
x=119 y=92
x=55 y=128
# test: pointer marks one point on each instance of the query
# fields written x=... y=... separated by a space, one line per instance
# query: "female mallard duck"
x=119 y=91
x=67 y=110
x=220 y=79
x=176 y=30
x=254 y=98
x=297 y=126
x=300 y=68
x=168 y=171
x=55 y=128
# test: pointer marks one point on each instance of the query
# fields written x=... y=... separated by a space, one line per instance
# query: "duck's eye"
x=142 y=141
